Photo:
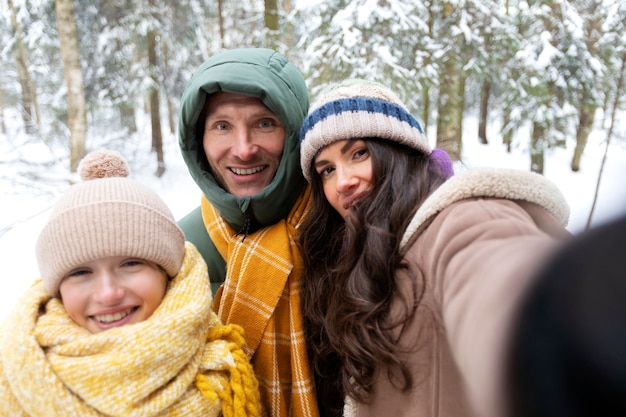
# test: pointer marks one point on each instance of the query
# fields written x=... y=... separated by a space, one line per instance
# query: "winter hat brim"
x=357 y=109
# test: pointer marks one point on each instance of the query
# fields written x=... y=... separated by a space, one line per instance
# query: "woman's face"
x=345 y=168
x=113 y=291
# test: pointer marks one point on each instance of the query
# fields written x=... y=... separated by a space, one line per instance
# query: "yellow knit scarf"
x=181 y=361
x=261 y=293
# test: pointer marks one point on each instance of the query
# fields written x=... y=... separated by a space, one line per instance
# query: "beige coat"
x=475 y=243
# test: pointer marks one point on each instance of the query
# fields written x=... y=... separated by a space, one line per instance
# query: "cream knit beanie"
x=107 y=214
x=357 y=109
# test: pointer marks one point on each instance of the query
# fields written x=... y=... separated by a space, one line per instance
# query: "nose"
x=109 y=290
x=346 y=180
x=244 y=146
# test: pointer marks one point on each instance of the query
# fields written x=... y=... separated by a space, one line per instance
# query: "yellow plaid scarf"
x=261 y=293
x=53 y=367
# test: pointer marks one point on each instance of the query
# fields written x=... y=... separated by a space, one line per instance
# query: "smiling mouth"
x=347 y=205
x=110 y=318
x=247 y=171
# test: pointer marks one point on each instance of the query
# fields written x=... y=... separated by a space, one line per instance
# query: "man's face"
x=243 y=142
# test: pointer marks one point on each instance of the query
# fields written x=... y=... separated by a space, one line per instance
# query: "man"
x=238 y=131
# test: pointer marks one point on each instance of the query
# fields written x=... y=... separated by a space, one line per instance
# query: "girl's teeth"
x=109 y=318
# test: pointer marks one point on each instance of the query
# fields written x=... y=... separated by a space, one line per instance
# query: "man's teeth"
x=109 y=318
x=249 y=171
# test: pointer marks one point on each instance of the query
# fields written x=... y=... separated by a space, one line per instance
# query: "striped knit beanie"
x=107 y=214
x=357 y=109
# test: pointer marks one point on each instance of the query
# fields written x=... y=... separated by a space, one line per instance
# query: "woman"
x=412 y=274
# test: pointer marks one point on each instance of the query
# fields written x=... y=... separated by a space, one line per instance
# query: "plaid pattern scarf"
x=50 y=366
x=261 y=293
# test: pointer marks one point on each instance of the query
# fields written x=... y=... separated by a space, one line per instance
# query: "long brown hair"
x=349 y=282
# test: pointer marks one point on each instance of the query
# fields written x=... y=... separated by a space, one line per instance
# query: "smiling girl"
x=120 y=322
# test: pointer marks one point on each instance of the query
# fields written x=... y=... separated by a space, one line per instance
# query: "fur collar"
x=491 y=183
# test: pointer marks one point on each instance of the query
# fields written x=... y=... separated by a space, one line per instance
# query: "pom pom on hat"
x=101 y=164
x=108 y=214
x=357 y=109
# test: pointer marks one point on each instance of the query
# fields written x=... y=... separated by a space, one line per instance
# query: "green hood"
x=255 y=72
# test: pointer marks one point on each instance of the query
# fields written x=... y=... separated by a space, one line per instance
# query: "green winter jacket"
x=255 y=72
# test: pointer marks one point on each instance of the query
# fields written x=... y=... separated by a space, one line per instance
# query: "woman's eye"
x=221 y=126
x=325 y=171
x=360 y=152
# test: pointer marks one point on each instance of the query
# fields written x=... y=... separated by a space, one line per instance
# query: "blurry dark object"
x=568 y=353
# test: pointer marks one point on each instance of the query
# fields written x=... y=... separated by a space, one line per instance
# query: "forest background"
x=533 y=78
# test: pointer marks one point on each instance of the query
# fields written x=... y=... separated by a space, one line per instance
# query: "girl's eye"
x=324 y=172
x=132 y=262
x=78 y=273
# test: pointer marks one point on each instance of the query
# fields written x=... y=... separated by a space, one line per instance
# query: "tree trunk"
x=3 y=125
x=127 y=117
x=536 y=148
x=427 y=61
x=220 y=19
x=484 y=111
x=287 y=30
x=448 y=133
x=271 y=23
x=30 y=113
x=616 y=105
x=460 y=111
x=171 y=116
x=72 y=72
x=155 y=115
x=585 y=126
x=426 y=108
x=507 y=132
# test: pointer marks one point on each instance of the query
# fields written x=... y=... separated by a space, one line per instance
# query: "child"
x=120 y=322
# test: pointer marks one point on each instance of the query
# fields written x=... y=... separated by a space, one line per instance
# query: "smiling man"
x=243 y=142
x=238 y=131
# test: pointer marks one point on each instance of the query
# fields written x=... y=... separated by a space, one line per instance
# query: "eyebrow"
x=348 y=144
x=259 y=114
x=343 y=150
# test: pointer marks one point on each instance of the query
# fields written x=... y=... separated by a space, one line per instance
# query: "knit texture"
x=261 y=293
x=50 y=366
x=107 y=214
x=357 y=109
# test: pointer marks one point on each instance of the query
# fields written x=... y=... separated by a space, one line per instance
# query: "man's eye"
x=266 y=123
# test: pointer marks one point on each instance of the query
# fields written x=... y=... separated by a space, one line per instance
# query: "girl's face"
x=345 y=168
x=112 y=291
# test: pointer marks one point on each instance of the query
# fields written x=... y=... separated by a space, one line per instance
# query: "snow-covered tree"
x=386 y=41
